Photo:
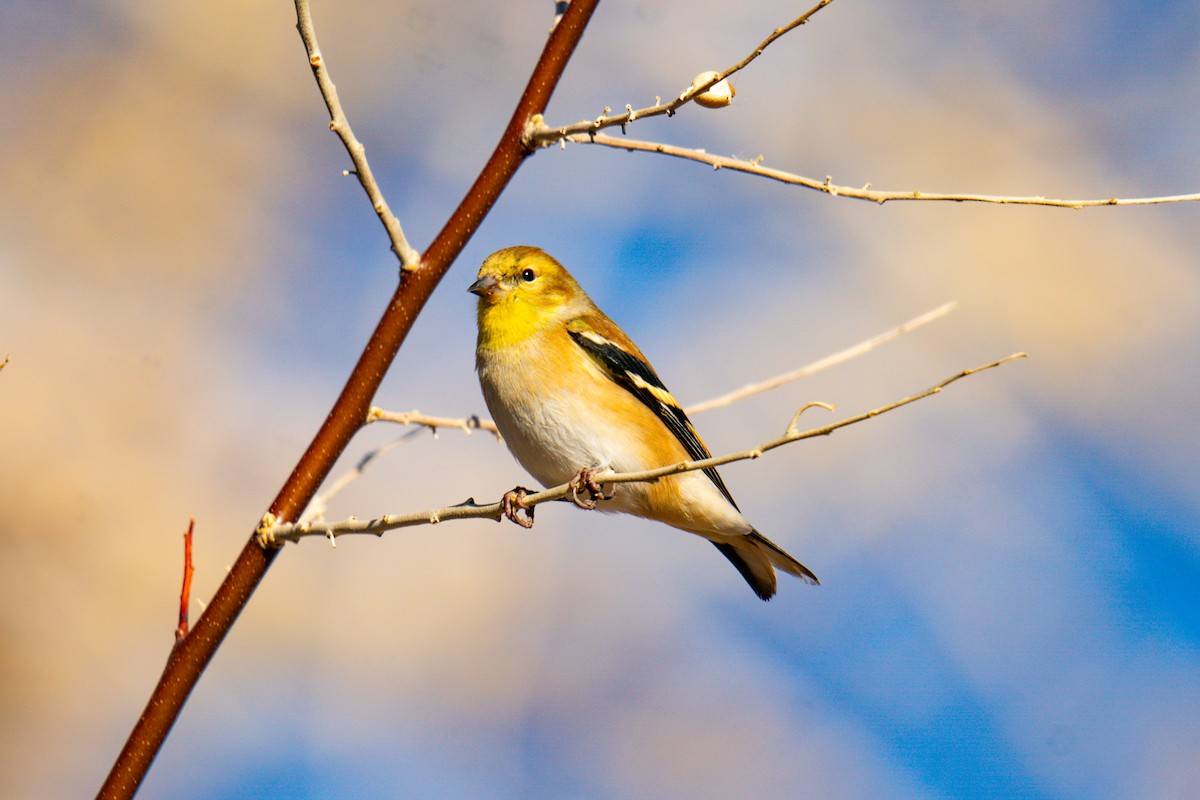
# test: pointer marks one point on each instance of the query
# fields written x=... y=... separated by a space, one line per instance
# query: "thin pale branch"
x=827 y=186
x=538 y=134
x=414 y=417
x=409 y=257
x=824 y=363
x=273 y=532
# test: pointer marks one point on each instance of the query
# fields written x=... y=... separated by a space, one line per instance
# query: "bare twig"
x=317 y=506
x=409 y=258
x=537 y=134
x=414 y=417
x=755 y=167
x=185 y=594
x=824 y=363
x=273 y=532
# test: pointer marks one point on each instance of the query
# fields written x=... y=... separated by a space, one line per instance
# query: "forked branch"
x=538 y=134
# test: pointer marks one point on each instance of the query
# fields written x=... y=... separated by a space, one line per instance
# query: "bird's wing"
x=624 y=364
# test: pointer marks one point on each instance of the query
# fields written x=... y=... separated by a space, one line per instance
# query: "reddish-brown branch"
x=192 y=654
x=185 y=594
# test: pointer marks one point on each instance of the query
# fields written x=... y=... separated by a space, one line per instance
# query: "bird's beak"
x=484 y=286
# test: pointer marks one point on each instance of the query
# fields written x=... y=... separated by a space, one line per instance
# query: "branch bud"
x=719 y=95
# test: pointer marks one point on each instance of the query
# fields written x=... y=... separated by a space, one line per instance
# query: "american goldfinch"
x=572 y=395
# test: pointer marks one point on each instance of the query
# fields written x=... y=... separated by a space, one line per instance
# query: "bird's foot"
x=513 y=503
x=585 y=481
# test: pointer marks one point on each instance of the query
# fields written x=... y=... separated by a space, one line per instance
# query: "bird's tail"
x=756 y=557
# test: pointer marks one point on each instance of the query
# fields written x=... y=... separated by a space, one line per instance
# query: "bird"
x=572 y=396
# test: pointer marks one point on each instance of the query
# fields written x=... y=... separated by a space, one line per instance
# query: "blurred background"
x=1009 y=604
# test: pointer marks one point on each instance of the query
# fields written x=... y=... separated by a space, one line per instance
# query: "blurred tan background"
x=1009 y=569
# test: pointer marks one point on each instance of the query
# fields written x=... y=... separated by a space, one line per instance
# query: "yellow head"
x=521 y=290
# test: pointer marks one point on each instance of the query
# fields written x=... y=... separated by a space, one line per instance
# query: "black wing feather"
x=622 y=366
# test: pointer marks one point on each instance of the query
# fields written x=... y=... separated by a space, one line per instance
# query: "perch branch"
x=273 y=532
x=755 y=167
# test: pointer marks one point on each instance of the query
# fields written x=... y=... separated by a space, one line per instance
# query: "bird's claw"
x=585 y=481
x=513 y=503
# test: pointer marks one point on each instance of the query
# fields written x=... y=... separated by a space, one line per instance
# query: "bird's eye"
x=528 y=275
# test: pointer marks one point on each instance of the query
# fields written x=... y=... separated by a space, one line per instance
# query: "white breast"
x=553 y=434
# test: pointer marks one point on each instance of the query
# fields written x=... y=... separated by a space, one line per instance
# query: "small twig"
x=791 y=428
x=318 y=505
x=273 y=532
x=409 y=258
x=538 y=134
x=414 y=417
x=185 y=594
x=320 y=502
x=866 y=192
x=825 y=363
